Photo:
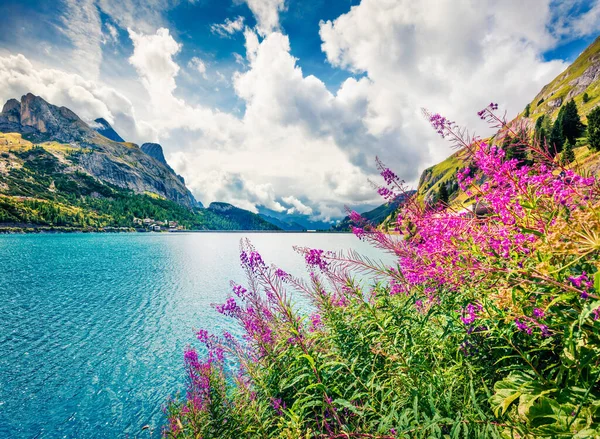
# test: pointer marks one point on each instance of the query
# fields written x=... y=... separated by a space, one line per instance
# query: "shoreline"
x=32 y=230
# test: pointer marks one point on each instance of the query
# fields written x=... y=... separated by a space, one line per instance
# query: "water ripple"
x=92 y=327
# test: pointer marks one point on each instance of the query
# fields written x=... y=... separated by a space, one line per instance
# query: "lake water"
x=93 y=326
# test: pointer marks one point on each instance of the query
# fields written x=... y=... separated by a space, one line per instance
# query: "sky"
x=284 y=104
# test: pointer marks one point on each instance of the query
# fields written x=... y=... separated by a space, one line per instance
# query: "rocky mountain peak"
x=102 y=126
x=155 y=151
x=41 y=121
x=12 y=111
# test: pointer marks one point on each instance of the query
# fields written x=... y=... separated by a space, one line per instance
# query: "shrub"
x=487 y=326
x=585 y=98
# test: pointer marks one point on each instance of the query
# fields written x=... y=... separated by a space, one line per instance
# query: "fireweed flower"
x=314 y=258
x=359 y=232
x=202 y=335
x=389 y=176
x=282 y=274
x=538 y=313
x=239 y=291
x=469 y=314
x=440 y=124
x=316 y=323
x=521 y=326
x=229 y=308
x=278 y=405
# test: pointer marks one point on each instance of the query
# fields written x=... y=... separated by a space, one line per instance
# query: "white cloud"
x=297 y=206
x=88 y=98
x=112 y=34
x=81 y=24
x=266 y=13
x=139 y=15
x=198 y=65
x=301 y=145
x=229 y=27
x=450 y=57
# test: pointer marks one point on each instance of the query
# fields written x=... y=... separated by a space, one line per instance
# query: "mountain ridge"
x=56 y=171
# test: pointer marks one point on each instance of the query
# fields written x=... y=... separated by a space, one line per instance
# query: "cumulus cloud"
x=266 y=13
x=88 y=98
x=198 y=65
x=229 y=27
x=301 y=146
x=449 y=57
x=297 y=206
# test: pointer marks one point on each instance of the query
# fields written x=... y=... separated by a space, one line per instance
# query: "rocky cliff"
x=102 y=126
x=85 y=150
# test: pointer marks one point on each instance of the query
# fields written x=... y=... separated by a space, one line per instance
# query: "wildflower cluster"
x=486 y=326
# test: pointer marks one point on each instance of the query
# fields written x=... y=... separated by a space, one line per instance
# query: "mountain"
x=120 y=164
x=58 y=171
x=247 y=220
x=581 y=77
x=294 y=221
x=103 y=127
x=375 y=216
x=283 y=225
x=580 y=82
x=155 y=151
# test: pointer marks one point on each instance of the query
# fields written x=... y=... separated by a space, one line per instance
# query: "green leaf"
x=347 y=404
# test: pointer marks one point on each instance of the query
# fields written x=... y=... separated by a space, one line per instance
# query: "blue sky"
x=284 y=104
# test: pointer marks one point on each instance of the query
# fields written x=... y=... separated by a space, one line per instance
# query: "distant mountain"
x=246 y=220
x=375 y=216
x=283 y=225
x=294 y=220
x=104 y=128
x=57 y=171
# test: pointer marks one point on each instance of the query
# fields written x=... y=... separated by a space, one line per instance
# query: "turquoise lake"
x=93 y=326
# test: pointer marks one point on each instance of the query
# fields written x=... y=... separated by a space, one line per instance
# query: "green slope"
x=41 y=186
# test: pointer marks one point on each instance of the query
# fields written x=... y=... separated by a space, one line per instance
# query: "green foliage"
x=556 y=139
x=568 y=153
x=443 y=194
x=527 y=110
x=43 y=193
x=594 y=128
x=585 y=98
x=571 y=122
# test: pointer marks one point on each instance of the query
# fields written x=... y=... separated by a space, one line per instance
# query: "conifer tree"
x=572 y=127
x=594 y=128
x=585 y=98
x=568 y=154
x=556 y=138
x=443 y=194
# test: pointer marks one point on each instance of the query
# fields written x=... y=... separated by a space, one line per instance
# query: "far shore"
x=9 y=230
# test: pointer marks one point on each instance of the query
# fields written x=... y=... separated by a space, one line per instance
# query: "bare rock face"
x=590 y=75
x=123 y=165
x=102 y=126
x=154 y=150
x=42 y=121
x=12 y=111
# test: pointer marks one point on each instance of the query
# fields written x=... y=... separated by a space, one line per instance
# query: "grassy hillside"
x=41 y=186
x=579 y=79
x=583 y=76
